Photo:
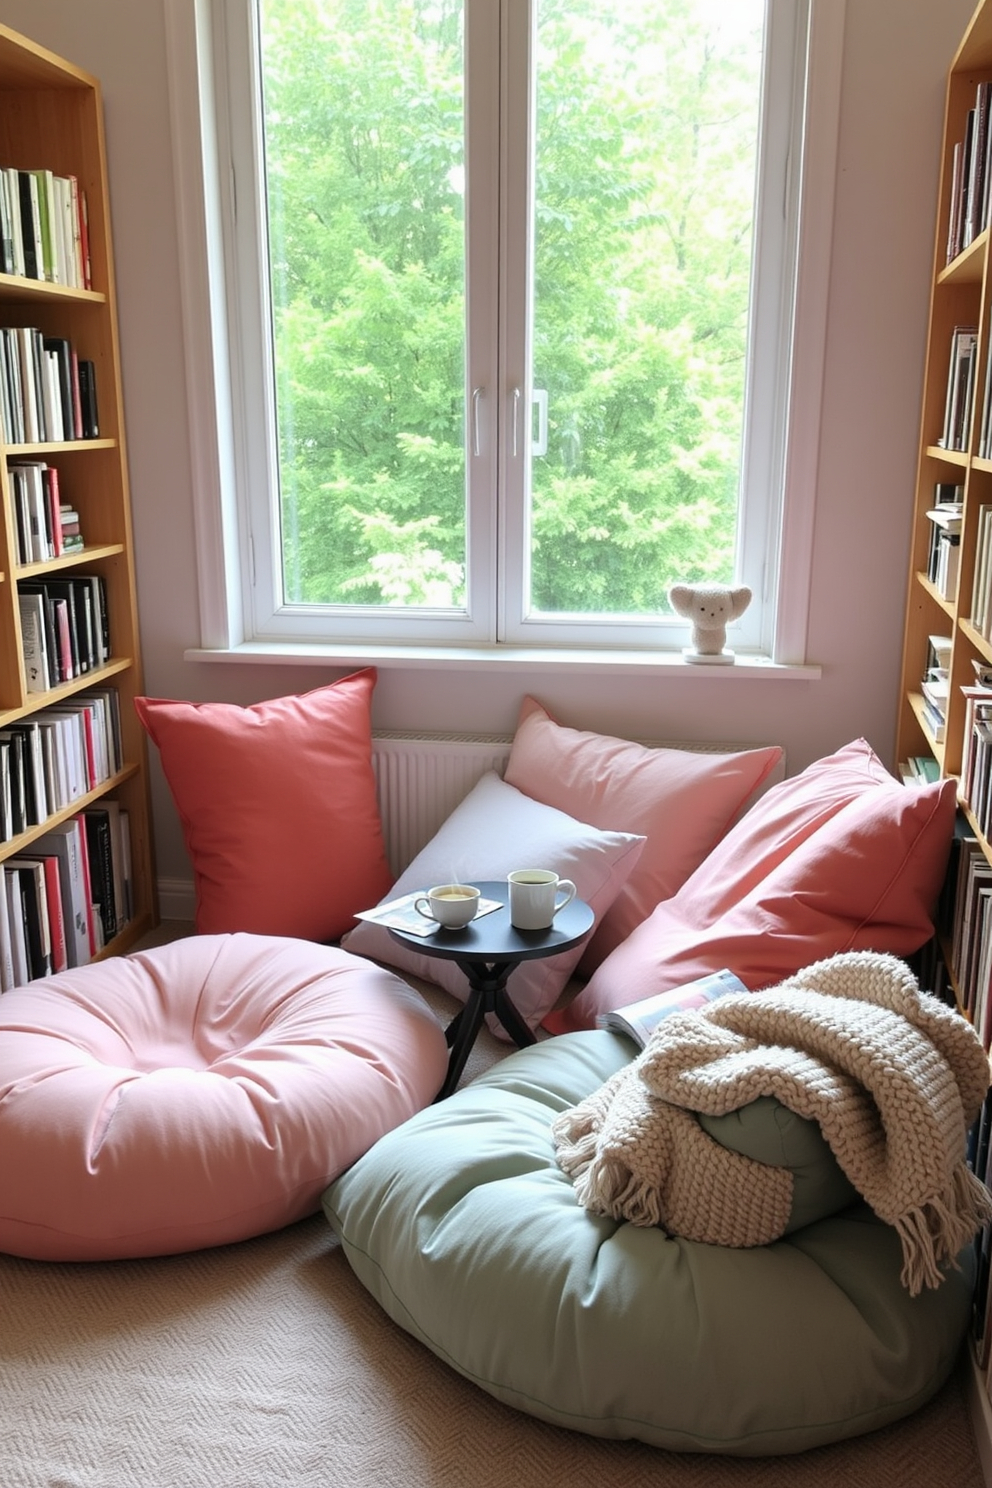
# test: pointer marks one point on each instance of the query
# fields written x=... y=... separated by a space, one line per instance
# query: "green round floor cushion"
x=462 y=1226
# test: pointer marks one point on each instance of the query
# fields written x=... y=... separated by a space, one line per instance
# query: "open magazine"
x=640 y=1019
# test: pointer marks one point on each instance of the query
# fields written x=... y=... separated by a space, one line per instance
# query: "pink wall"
x=895 y=61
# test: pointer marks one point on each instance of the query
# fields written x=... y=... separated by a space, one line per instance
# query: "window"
x=511 y=290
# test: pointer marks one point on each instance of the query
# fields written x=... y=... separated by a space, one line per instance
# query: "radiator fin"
x=420 y=780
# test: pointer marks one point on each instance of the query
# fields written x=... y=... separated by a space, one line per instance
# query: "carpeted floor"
x=267 y=1364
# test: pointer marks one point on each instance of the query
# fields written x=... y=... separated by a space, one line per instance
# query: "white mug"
x=534 y=900
x=451 y=905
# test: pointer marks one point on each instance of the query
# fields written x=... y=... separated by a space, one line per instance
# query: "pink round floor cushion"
x=198 y=1093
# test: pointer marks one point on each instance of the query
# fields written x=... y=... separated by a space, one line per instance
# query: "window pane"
x=363 y=104
x=645 y=165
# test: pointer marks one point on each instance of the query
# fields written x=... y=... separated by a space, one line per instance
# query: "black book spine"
x=87 y=398
x=38 y=963
x=27 y=225
x=101 y=868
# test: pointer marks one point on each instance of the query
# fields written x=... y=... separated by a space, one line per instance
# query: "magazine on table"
x=399 y=914
x=640 y=1019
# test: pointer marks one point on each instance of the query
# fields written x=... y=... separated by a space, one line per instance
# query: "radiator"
x=420 y=780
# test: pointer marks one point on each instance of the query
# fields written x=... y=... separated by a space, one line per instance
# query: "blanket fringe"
x=618 y=1193
x=938 y=1230
x=605 y=1185
x=575 y=1145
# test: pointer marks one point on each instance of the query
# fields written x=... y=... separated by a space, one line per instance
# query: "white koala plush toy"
x=710 y=607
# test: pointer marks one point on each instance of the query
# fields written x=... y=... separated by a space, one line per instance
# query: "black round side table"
x=488 y=950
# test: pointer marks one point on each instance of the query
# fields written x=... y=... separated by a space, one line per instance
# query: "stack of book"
x=944 y=556
x=46 y=526
x=919 y=769
x=935 y=685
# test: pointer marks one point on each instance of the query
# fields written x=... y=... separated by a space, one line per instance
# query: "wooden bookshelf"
x=51 y=118
x=960 y=296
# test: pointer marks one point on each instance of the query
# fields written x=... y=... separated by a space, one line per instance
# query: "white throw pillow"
x=494 y=830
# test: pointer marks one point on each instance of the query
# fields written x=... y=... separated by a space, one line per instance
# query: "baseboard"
x=176 y=899
x=980 y=1409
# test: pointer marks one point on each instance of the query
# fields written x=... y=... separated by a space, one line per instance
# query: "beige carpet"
x=267 y=1364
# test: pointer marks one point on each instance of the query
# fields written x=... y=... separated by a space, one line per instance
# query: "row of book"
x=979 y=1157
x=970 y=176
x=935 y=685
x=919 y=769
x=66 y=896
x=960 y=397
x=944 y=552
x=57 y=756
x=981 y=592
x=47 y=391
x=44 y=227
x=970 y=934
x=46 y=525
x=975 y=788
x=65 y=628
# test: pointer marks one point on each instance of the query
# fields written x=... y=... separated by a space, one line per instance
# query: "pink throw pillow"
x=784 y=889
x=682 y=801
x=278 y=807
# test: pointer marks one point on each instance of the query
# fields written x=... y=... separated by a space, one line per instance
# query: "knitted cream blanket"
x=893 y=1077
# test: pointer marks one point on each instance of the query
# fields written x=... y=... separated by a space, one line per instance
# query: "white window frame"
x=219 y=283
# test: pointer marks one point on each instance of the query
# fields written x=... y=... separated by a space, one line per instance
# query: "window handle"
x=477 y=396
x=516 y=418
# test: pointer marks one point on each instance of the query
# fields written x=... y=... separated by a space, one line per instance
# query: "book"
x=34 y=643
x=15 y=924
x=30 y=223
x=53 y=905
x=34 y=908
x=100 y=850
x=640 y=1019
x=87 y=399
x=117 y=861
x=64 y=843
x=7 y=977
x=45 y=191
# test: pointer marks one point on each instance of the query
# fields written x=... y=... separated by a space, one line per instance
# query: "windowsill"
x=505 y=658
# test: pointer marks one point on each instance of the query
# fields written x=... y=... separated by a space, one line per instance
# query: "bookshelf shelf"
x=51 y=121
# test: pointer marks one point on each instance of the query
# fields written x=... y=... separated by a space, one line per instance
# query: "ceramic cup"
x=534 y=897
x=452 y=905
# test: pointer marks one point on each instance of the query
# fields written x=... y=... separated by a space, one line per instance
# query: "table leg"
x=487 y=994
x=461 y=1035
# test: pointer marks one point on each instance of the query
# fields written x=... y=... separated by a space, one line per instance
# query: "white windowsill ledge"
x=505 y=658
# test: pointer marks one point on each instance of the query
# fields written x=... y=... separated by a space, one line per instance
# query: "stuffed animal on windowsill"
x=710 y=607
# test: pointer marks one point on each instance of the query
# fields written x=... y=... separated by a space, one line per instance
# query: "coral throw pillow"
x=682 y=801
x=278 y=807
x=494 y=830
x=840 y=858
